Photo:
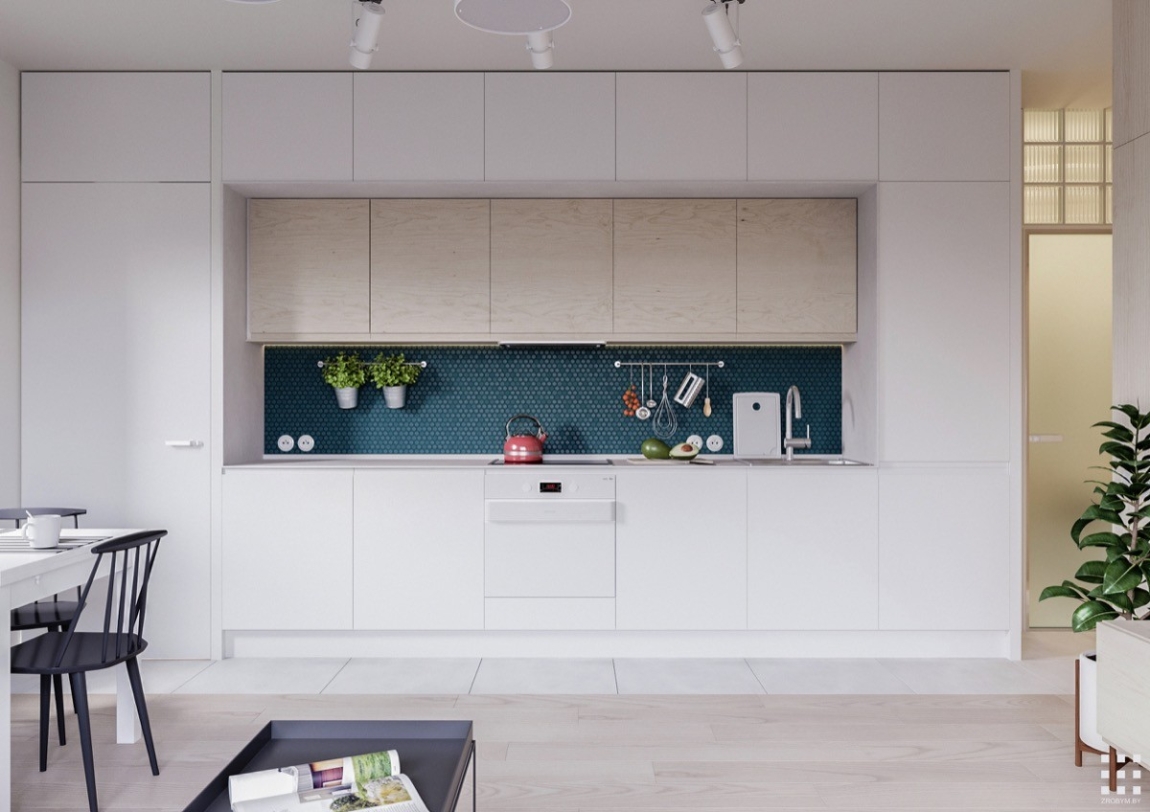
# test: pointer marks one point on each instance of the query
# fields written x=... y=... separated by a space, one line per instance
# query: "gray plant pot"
x=347 y=397
x=395 y=396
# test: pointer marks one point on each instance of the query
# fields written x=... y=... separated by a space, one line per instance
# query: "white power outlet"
x=714 y=443
x=285 y=443
x=306 y=442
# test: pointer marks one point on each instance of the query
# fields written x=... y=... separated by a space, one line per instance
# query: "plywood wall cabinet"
x=287 y=549
x=287 y=126
x=430 y=266
x=550 y=126
x=797 y=266
x=681 y=126
x=551 y=266
x=418 y=126
x=675 y=266
x=108 y=127
x=812 y=126
x=308 y=266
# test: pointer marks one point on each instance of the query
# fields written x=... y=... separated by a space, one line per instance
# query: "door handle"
x=1045 y=438
x=184 y=443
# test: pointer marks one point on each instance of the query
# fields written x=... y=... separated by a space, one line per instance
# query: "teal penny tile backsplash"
x=466 y=394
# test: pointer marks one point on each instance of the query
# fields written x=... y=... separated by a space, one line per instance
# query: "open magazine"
x=369 y=781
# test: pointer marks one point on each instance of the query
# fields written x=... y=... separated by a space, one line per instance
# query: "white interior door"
x=116 y=361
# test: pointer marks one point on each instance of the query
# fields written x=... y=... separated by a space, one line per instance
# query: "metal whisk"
x=664 y=423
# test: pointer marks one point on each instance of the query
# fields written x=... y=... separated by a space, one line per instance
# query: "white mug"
x=42 y=532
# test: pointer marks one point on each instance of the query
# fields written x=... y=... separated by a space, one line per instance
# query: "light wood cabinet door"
x=551 y=266
x=797 y=266
x=430 y=266
x=675 y=266
x=308 y=266
x=287 y=126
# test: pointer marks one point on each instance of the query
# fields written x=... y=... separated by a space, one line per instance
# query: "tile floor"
x=1046 y=668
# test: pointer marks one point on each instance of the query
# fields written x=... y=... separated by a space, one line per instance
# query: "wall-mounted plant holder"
x=383 y=371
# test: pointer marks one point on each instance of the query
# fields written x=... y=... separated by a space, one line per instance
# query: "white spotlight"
x=542 y=47
x=363 y=46
x=727 y=45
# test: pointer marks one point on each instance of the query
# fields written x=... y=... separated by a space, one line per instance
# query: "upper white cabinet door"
x=418 y=549
x=308 y=266
x=550 y=126
x=944 y=548
x=944 y=126
x=287 y=126
x=551 y=266
x=812 y=533
x=812 y=126
x=287 y=561
x=681 y=126
x=418 y=126
x=797 y=266
x=681 y=549
x=116 y=127
x=675 y=266
x=430 y=266
x=117 y=354
x=944 y=342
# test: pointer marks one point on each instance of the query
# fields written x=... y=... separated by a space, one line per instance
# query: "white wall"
x=9 y=285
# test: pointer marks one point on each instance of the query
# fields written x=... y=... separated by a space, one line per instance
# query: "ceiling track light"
x=365 y=41
x=534 y=19
x=723 y=35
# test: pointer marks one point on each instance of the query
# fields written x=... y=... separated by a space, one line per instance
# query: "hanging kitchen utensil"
x=688 y=390
x=665 y=424
x=651 y=389
x=642 y=412
x=707 y=398
x=524 y=448
x=630 y=399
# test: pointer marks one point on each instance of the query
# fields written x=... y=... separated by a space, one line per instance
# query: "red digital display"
x=551 y=487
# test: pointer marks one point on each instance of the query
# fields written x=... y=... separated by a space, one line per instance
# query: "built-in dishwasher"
x=549 y=549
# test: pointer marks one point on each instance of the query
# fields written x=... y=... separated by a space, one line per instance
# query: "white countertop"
x=451 y=461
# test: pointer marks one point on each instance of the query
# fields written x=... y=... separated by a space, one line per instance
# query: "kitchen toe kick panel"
x=549 y=614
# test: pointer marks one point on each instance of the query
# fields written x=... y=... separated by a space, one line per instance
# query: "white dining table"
x=27 y=575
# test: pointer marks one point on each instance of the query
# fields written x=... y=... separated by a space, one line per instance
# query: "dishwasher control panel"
x=536 y=484
x=551 y=487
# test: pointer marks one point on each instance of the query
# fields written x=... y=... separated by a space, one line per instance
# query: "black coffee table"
x=434 y=755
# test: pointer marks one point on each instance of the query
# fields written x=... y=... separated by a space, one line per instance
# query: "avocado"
x=683 y=451
x=655 y=449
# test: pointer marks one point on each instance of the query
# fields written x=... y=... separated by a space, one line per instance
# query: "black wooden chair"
x=51 y=615
x=121 y=641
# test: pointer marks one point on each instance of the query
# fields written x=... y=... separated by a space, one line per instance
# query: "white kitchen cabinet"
x=287 y=126
x=812 y=549
x=550 y=126
x=116 y=361
x=681 y=126
x=418 y=549
x=129 y=127
x=551 y=266
x=944 y=548
x=418 y=126
x=308 y=266
x=797 y=266
x=287 y=541
x=675 y=266
x=812 y=126
x=681 y=542
x=944 y=312
x=944 y=126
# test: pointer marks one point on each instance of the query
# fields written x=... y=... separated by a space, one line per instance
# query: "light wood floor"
x=613 y=753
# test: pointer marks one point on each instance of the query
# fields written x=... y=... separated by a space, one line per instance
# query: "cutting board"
x=756 y=419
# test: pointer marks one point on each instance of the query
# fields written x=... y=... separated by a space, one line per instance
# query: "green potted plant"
x=1115 y=586
x=393 y=374
x=346 y=373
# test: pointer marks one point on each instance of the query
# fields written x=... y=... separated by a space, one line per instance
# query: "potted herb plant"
x=346 y=373
x=1117 y=521
x=393 y=374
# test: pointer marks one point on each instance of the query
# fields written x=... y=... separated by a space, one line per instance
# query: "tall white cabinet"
x=116 y=322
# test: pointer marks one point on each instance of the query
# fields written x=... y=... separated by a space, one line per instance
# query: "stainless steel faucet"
x=795 y=405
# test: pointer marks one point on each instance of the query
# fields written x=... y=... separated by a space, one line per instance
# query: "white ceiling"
x=1062 y=46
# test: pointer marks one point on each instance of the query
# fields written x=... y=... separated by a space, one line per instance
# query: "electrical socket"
x=285 y=443
x=306 y=443
x=714 y=443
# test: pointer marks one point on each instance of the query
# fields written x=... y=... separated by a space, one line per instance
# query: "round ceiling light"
x=513 y=16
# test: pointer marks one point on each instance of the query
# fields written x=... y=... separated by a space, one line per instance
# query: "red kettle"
x=524 y=448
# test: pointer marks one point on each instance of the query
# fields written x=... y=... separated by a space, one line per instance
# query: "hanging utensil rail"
x=620 y=364
x=372 y=363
